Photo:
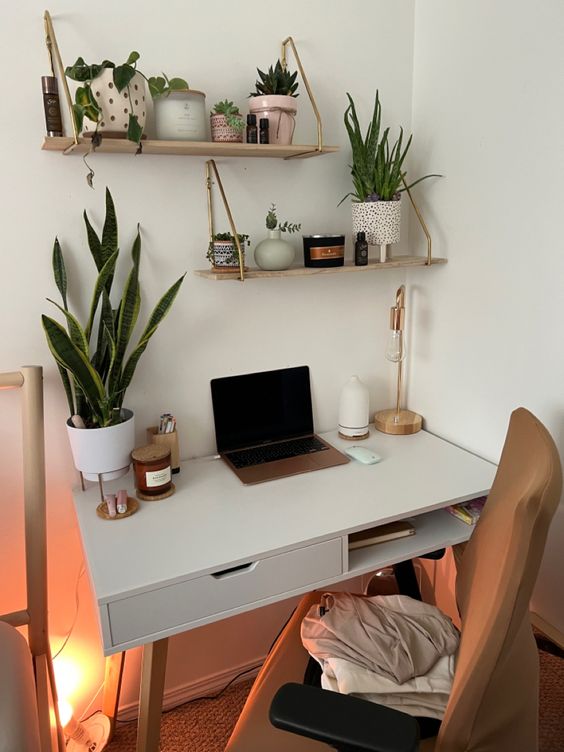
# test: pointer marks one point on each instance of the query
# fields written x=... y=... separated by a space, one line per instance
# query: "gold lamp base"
x=402 y=423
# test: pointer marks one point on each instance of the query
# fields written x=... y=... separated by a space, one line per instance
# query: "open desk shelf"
x=301 y=271
x=186 y=148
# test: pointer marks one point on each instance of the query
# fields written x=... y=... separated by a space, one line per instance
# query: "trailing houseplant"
x=111 y=96
x=222 y=250
x=274 y=253
x=275 y=98
x=226 y=122
x=95 y=360
x=378 y=176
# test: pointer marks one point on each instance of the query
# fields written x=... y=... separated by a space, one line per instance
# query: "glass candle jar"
x=152 y=469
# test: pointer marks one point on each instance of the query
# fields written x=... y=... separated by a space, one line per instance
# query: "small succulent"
x=272 y=222
x=162 y=86
x=277 y=80
x=233 y=117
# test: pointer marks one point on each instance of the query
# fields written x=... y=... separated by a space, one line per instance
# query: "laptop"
x=264 y=425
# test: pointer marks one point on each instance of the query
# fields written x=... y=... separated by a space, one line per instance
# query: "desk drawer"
x=171 y=607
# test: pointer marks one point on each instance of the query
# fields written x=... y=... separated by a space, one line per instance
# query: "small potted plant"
x=378 y=178
x=92 y=359
x=273 y=253
x=111 y=98
x=226 y=122
x=222 y=252
x=274 y=98
x=180 y=112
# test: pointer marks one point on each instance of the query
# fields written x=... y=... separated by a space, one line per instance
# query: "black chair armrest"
x=341 y=721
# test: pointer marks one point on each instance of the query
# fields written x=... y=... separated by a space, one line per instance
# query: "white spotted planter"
x=380 y=220
x=221 y=131
x=116 y=106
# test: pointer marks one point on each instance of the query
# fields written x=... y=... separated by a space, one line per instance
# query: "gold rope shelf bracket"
x=53 y=49
x=212 y=167
x=290 y=42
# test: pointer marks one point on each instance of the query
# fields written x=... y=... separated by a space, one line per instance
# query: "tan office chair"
x=493 y=706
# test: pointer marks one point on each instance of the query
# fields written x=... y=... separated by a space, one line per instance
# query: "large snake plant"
x=95 y=384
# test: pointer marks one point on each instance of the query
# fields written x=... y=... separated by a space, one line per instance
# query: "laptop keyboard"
x=271 y=452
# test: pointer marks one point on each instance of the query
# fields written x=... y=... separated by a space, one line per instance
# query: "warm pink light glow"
x=67 y=677
x=65 y=712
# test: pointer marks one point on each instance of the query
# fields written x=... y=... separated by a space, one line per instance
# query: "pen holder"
x=169 y=440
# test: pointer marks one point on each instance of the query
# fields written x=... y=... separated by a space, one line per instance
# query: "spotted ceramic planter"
x=221 y=131
x=380 y=220
x=116 y=106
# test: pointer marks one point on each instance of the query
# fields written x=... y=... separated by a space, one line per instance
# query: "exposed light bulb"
x=89 y=736
x=395 y=348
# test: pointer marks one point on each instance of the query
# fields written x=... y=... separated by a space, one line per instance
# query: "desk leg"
x=151 y=696
x=112 y=688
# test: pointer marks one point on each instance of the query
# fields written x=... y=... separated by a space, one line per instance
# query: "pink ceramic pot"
x=281 y=113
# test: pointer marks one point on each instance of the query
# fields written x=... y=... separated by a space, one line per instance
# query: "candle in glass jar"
x=152 y=468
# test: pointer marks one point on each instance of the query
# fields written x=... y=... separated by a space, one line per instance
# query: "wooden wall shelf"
x=187 y=148
x=301 y=271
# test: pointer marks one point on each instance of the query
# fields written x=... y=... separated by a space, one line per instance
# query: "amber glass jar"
x=152 y=468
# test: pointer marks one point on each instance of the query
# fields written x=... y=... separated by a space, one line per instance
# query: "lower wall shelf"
x=301 y=271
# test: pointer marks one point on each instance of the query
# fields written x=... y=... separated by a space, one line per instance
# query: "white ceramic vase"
x=273 y=253
x=354 y=409
x=380 y=220
x=181 y=116
x=116 y=106
x=103 y=451
x=280 y=110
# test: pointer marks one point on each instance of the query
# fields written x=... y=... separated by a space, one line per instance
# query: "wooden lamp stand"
x=395 y=420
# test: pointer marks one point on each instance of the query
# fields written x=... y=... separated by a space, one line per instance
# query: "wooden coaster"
x=132 y=507
x=354 y=438
x=158 y=497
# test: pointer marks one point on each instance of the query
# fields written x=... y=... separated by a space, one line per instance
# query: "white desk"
x=162 y=571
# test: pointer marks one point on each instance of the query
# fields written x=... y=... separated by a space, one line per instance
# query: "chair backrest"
x=493 y=706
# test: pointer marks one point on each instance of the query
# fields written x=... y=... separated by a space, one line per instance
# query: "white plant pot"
x=281 y=113
x=380 y=220
x=273 y=253
x=103 y=451
x=181 y=116
x=116 y=105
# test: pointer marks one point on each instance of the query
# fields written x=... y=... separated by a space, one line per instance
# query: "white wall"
x=336 y=324
x=488 y=114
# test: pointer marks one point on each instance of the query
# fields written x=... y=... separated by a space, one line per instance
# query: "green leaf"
x=133 y=58
x=67 y=387
x=71 y=358
x=109 y=243
x=157 y=86
x=106 y=272
x=177 y=84
x=93 y=243
x=76 y=332
x=122 y=76
x=129 y=311
x=59 y=271
x=134 y=130
x=161 y=309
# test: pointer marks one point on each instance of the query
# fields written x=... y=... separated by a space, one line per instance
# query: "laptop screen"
x=257 y=408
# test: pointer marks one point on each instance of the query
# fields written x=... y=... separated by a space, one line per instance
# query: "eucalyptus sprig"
x=272 y=222
x=85 y=104
x=377 y=169
x=93 y=360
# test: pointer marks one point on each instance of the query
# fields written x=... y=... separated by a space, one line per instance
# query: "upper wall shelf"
x=301 y=271
x=186 y=148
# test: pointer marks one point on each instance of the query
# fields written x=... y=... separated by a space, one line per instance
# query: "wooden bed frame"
x=30 y=380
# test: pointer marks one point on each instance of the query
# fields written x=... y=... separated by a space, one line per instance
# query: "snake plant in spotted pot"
x=274 y=98
x=95 y=360
x=273 y=253
x=378 y=177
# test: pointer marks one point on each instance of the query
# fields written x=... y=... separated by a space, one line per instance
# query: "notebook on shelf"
x=381 y=534
x=468 y=511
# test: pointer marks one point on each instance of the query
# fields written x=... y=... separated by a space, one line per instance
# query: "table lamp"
x=396 y=420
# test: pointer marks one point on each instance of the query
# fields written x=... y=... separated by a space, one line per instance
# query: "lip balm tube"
x=122 y=502
x=111 y=504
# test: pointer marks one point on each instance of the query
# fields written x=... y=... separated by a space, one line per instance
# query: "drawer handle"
x=232 y=571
